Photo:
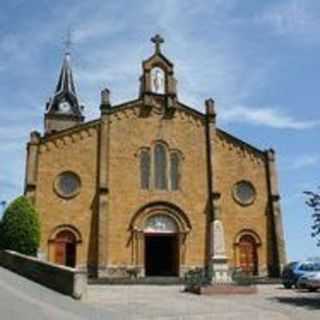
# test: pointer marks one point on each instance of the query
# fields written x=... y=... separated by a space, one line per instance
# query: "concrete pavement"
x=22 y=299
x=169 y=303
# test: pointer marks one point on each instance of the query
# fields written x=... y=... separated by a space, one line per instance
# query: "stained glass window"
x=160 y=164
x=160 y=223
x=175 y=171
x=244 y=192
x=67 y=184
x=145 y=169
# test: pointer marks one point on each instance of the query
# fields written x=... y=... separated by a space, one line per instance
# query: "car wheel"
x=312 y=289
x=287 y=285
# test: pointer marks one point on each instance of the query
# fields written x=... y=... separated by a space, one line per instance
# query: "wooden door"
x=60 y=253
x=248 y=255
x=65 y=249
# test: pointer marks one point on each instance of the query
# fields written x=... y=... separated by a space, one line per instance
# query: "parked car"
x=310 y=281
x=294 y=270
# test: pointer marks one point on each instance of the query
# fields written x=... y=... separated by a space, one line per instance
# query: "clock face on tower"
x=64 y=107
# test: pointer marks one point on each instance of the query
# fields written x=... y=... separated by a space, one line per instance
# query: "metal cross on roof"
x=68 y=42
x=157 y=40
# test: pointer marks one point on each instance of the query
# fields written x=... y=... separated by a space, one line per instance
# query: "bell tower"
x=63 y=110
x=158 y=84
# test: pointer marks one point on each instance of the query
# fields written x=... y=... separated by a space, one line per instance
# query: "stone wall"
x=75 y=152
x=234 y=162
x=105 y=155
x=128 y=134
x=59 y=278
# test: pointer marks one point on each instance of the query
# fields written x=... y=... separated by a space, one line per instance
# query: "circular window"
x=244 y=193
x=67 y=184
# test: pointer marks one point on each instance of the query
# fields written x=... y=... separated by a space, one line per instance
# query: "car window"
x=290 y=266
x=306 y=267
x=316 y=267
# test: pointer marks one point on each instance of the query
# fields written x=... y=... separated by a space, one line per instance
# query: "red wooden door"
x=248 y=255
x=65 y=249
x=60 y=253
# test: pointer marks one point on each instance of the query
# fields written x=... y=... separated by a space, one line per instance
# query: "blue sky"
x=258 y=59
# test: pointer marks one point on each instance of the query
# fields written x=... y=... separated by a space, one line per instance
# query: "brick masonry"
x=111 y=208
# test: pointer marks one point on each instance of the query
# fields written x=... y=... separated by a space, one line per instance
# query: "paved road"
x=169 y=303
x=21 y=299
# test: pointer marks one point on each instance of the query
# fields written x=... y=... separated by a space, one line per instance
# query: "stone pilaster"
x=147 y=81
x=103 y=191
x=210 y=136
x=172 y=85
x=218 y=258
x=32 y=166
x=210 y=131
x=274 y=200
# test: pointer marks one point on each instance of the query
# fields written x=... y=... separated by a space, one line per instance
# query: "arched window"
x=175 y=171
x=160 y=223
x=145 y=169
x=160 y=167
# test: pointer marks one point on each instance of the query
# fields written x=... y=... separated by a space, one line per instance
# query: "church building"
x=141 y=188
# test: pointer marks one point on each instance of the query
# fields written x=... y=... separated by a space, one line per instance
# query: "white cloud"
x=266 y=116
x=103 y=28
x=304 y=161
x=110 y=42
x=294 y=18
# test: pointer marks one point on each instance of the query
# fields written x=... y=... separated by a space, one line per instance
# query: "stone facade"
x=109 y=213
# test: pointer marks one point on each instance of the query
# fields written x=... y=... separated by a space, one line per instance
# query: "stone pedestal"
x=220 y=265
x=220 y=270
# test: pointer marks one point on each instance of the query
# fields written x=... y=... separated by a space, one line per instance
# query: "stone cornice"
x=68 y=131
x=238 y=141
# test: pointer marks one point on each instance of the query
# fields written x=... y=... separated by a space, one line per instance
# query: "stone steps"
x=138 y=281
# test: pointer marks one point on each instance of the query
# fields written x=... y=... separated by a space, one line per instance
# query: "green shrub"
x=194 y=279
x=241 y=278
x=20 y=228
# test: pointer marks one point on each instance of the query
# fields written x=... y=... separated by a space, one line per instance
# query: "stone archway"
x=63 y=246
x=159 y=232
x=161 y=243
x=247 y=253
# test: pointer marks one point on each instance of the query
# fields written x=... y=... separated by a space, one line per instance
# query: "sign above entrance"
x=160 y=224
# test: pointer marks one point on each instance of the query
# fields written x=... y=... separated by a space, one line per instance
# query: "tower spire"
x=65 y=82
x=64 y=110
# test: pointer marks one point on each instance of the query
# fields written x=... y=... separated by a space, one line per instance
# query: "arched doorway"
x=65 y=248
x=161 y=246
x=248 y=257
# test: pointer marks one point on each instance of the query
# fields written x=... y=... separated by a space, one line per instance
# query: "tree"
x=313 y=202
x=20 y=227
